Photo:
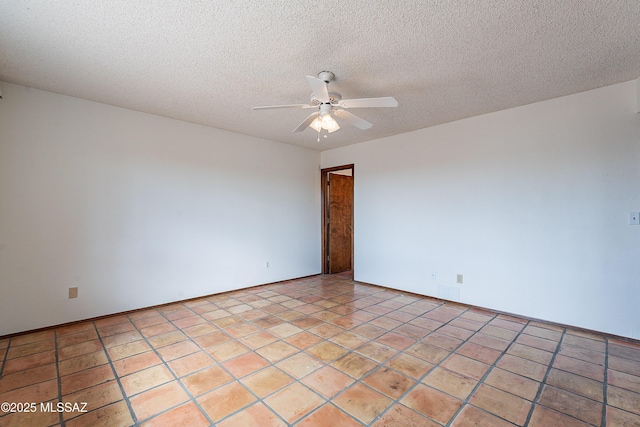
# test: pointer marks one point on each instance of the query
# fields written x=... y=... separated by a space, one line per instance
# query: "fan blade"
x=387 y=101
x=352 y=119
x=319 y=88
x=271 y=107
x=306 y=122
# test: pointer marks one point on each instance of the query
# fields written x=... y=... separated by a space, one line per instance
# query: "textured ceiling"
x=209 y=62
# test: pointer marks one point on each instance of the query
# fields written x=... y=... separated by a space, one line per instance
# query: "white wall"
x=138 y=210
x=530 y=204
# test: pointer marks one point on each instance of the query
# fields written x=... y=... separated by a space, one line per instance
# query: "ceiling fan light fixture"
x=316 y=124
x=329 y=123
x=326 y=122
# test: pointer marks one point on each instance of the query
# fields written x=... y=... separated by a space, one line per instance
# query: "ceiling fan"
x=329 y=104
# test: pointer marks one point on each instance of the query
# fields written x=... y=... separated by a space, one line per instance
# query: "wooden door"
x=340 y=222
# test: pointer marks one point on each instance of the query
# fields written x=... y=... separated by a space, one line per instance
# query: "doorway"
x=337 y=219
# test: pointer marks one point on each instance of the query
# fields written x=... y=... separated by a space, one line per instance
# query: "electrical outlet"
x=268 y=264
x=73 y=292
x=459 y=279
x=634 y=218
x=433 y=276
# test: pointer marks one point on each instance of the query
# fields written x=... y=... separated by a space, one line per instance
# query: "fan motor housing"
x=333 y=98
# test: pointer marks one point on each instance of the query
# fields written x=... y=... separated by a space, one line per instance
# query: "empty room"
x=333 y=213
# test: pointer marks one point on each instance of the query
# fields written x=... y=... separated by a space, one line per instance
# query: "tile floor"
x=320 y=351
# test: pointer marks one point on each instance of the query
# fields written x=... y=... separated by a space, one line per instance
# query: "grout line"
x=435 y=365
x=465 y=401
x=273 y=364
x=299 y=351
x=349 y=350
x=220 y=363
x=367 y=357
x=252 y=350
x=418 y=381
x=166 y=365
x=5 y=358
x=328 y=402
x=117 y=377
x=605 y=382
x=58 y=377
x=544 y=379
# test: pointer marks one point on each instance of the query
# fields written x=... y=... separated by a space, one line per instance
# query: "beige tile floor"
x=320 y=351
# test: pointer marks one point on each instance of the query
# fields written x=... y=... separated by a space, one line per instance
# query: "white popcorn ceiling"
x=209 y=62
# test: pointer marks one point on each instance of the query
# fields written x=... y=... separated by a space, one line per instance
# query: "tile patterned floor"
x=320 y=351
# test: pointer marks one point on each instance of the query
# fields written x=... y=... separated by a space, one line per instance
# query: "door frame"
x=324 y=179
